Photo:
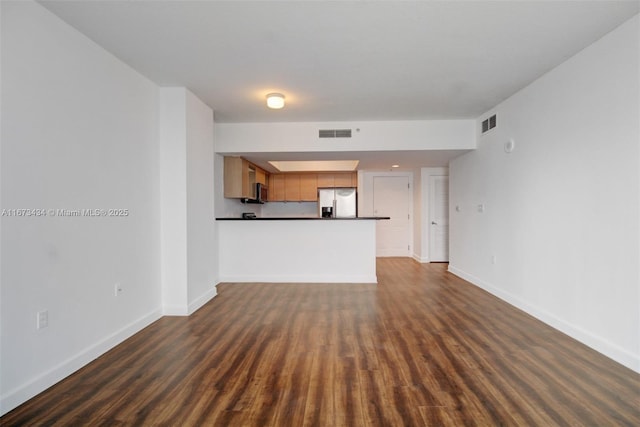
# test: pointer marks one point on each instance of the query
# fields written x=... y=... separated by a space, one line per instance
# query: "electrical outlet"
x=117 y=289
x=493 y=259
x=42 y=319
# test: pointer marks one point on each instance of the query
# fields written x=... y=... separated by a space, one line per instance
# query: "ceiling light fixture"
x=275 y=101
x=395 y=166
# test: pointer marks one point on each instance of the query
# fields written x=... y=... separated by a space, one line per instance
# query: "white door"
x=439 y=219
x=391 y=198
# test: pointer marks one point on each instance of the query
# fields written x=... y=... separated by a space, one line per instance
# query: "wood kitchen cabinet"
x=308 y=187
x=261 y=176
x=325 y=180
x=240 y=178
x=276 y=187
x=292 y=187
x=337 y=179
x=342 y=179
x=303 y=187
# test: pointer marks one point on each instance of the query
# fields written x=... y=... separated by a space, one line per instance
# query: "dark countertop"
x=295 y=218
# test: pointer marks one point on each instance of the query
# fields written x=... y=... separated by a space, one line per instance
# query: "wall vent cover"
x=334 y=133
x=489 y=123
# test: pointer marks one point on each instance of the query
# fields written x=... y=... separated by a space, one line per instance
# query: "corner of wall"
x=13 y=398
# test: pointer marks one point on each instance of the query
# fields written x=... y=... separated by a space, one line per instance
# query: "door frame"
x=430 y=215
x=365 y=198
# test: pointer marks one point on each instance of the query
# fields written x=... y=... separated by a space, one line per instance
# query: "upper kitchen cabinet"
x=346 y=179
x=240 y=178
x=308 y=187
x=337 y=179
x=292 y=187
x=325 y=180
x=303 y=186
x=261 y=176
x=276 y=187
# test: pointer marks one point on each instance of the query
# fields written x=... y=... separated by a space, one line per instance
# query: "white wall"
x=79 y=131
x=173 y=190
x=372 y=136
x=189 y=251
x=298 y=251
x=562 y=210
x=202 y=247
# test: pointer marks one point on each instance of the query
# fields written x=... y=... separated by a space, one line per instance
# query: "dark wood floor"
x=421 y=348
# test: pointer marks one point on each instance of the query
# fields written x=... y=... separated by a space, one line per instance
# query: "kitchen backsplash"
x=286 y=209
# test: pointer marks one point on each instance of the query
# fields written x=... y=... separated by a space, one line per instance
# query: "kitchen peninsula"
x=298 y=249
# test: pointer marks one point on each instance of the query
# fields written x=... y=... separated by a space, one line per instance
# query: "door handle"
x=434 y=223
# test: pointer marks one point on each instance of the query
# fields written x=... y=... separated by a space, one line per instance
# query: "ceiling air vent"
x=489 y=124
x=334 y=133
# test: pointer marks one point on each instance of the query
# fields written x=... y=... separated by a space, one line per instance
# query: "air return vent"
x=489 y=124
x=334 y=133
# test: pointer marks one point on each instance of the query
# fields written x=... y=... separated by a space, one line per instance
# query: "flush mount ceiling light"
x=275 y=101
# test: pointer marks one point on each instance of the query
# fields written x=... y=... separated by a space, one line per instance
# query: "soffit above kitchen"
x=343 y=60
x=407 y=160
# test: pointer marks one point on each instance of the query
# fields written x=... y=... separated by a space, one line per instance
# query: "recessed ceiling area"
x=368 y=160
x=314 y=165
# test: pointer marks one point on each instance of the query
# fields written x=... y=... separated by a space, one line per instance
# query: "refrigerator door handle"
x=334 y=213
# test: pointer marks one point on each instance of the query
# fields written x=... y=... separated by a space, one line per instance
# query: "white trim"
x=366 y=202
x=17 y=396
x=202 y=300
x=175 y=310
x=301 y=279
x=421 y=260
x=597 y=343
x=430 y=214
x=188 y=310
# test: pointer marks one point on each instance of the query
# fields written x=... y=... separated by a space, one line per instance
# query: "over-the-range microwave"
x=260 y=194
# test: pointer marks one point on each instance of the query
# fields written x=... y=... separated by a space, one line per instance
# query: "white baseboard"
x=202 y=300
x=421 y=260
x=601 y=345
x=175 y=310
x=188 y=310
x=16 y=397
x=301 y=279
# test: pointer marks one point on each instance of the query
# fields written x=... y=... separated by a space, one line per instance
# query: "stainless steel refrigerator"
x=342 y=201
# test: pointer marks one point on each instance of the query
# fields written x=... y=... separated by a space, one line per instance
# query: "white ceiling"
x=345 y=60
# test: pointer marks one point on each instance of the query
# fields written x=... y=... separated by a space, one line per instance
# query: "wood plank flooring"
x=423 y=347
